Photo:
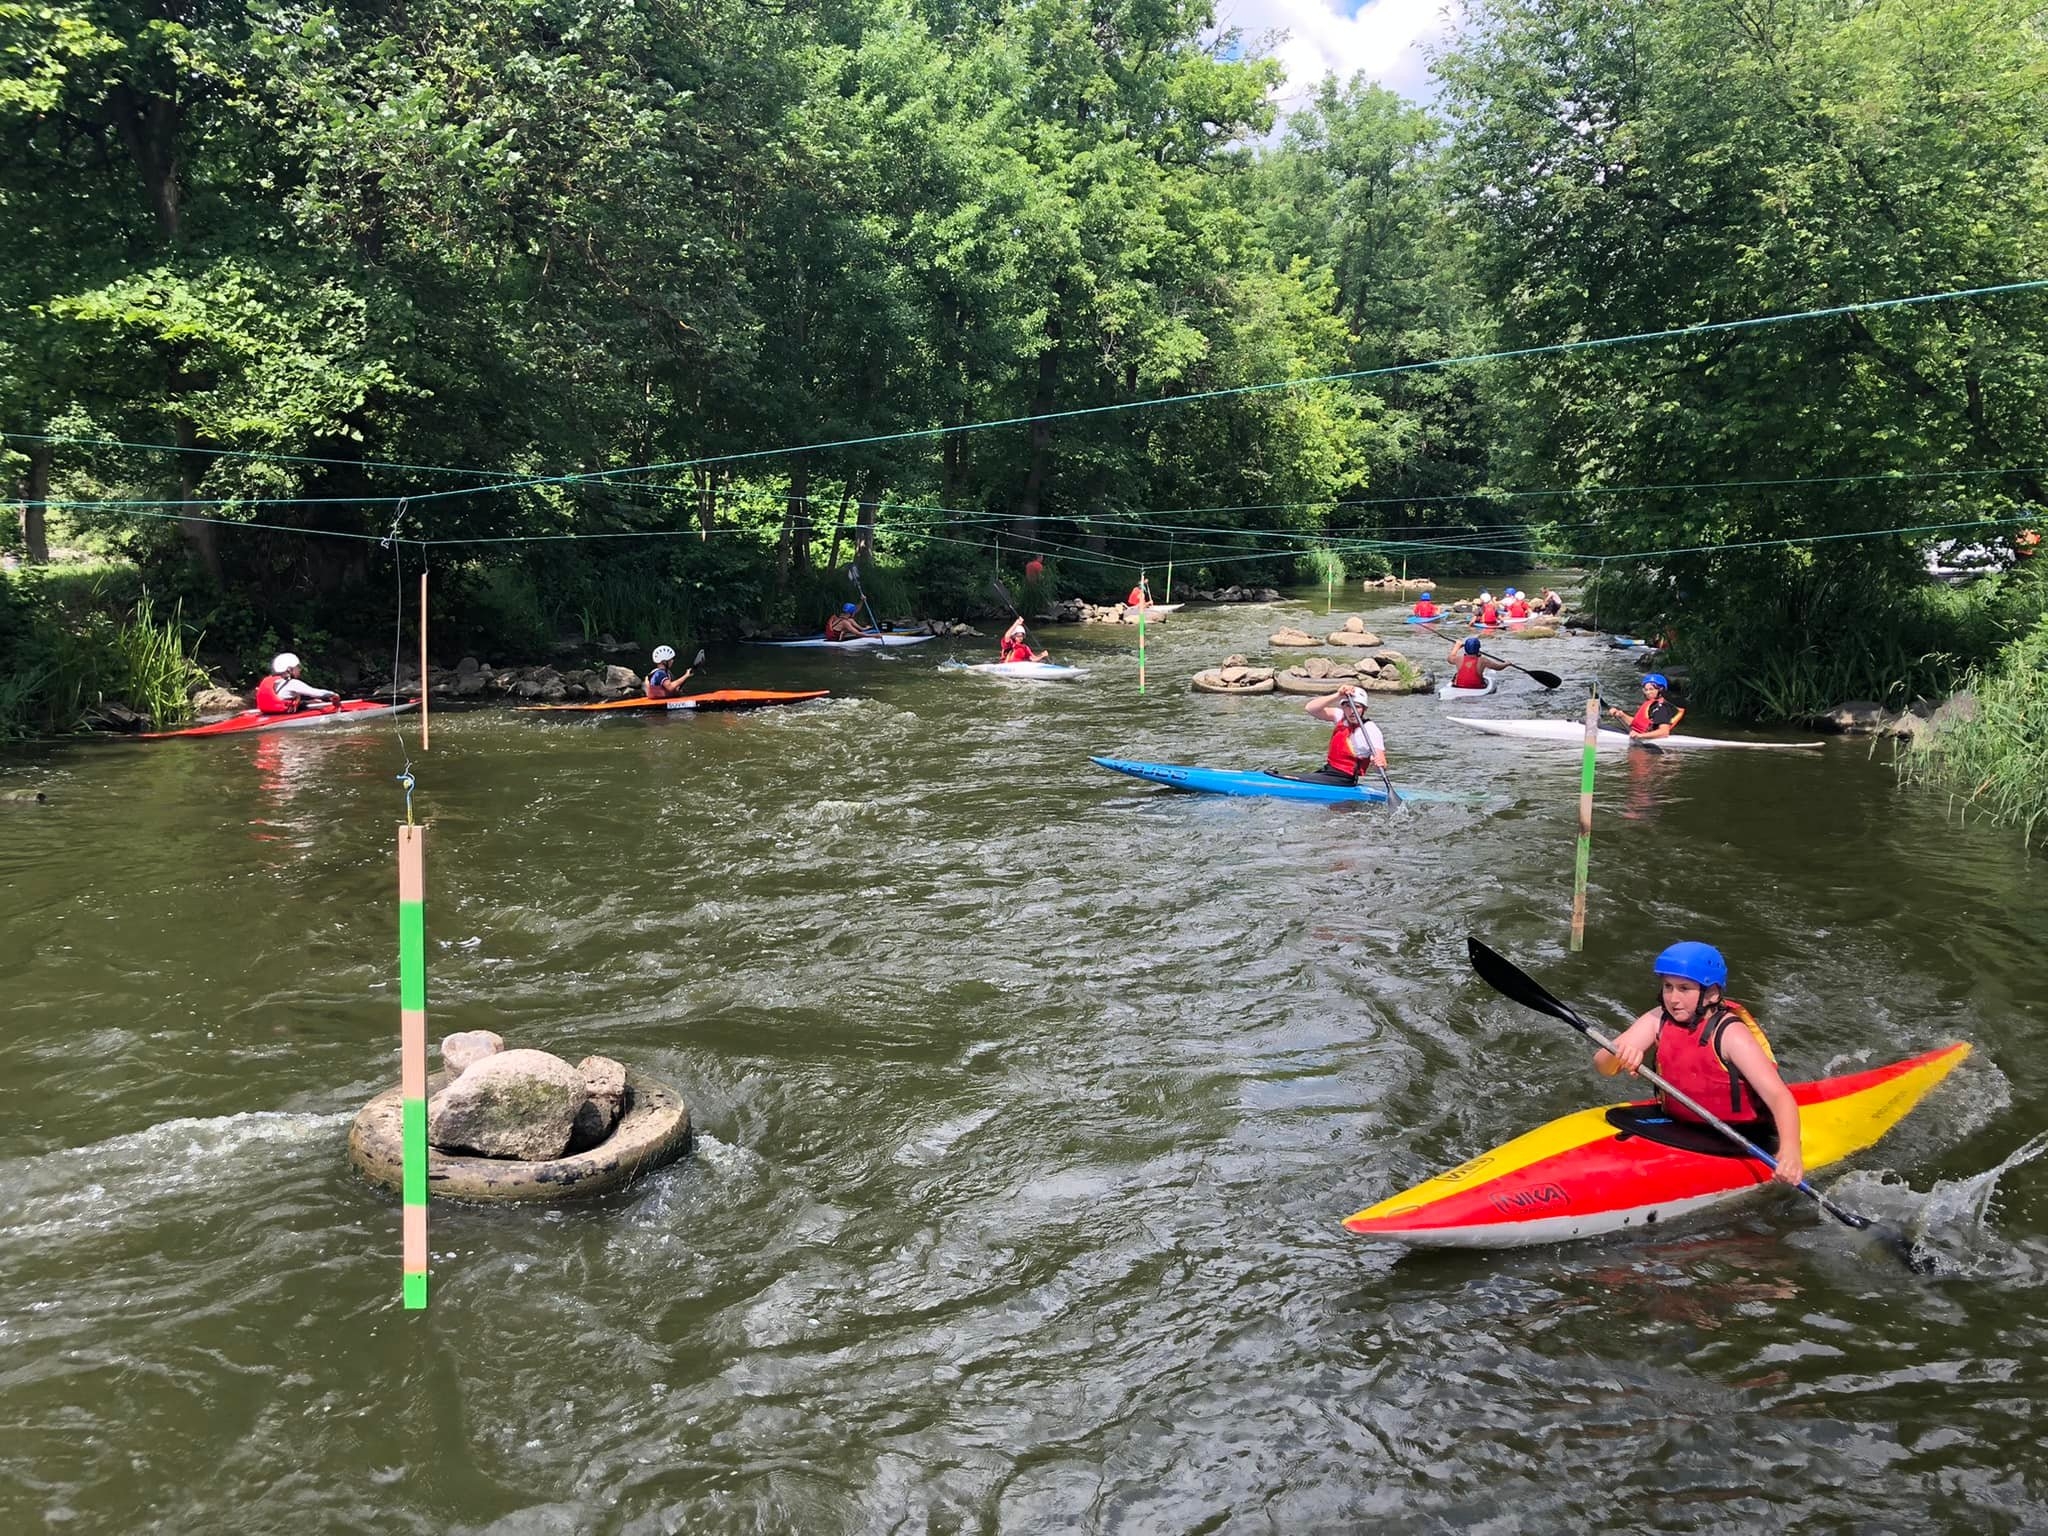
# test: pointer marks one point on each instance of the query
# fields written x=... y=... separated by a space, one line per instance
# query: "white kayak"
x=1157 y=610
x=1452 y=691
x=861 y=643
x=1573 y=733
x=1023 y=671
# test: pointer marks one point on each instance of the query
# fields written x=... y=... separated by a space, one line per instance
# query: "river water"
x=1030 y=1100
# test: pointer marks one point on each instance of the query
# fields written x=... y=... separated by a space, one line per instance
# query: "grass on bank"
x=70 y=642
x=1995 y=763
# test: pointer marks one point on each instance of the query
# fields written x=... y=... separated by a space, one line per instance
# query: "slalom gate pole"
x=423 y=661
x=412 y=1052
x=1144 y=602
x=1582 y=866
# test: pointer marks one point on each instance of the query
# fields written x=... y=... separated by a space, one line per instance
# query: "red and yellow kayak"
x=1623 y=1166
x=347 y=711
x=724 y=698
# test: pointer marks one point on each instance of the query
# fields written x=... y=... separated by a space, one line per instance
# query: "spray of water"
x=1951 y=1224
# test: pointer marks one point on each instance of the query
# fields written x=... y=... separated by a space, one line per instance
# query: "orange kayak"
x=724 y=698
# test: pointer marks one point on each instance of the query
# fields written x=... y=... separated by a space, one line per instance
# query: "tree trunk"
x=1022 y=524
x=839 y=525
x=202 y=534
x=33 y=505
x=707 y=501
x=864 y=524
x=148 y=126
x=794 y=547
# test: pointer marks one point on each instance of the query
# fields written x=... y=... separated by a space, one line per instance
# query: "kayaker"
x=1656 y=717
x=1138 y=597
x=1472 y=666
x=1488 y=612
x=663 y=682
x=1551 y=605
x=1356 y=744
x=1731 y=1072
x=1016 y=647
x=1425 y=606
x=283 y=692
x=1034 y=569
x=1518 y=604
x=844 y=625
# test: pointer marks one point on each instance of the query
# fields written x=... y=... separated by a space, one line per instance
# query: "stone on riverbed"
x=604 y=1080
x=519 y=1104
x=461 y=1049
x=1354 y=632
x=1292 y=636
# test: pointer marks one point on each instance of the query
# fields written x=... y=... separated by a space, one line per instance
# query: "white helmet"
x=282 y=663
x=1486 y=597
x=664 y=653
x=1357 y=698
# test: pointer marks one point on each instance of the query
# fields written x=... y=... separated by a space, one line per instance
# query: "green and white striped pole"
x=1144 y=602
x=412 y=1053
x=1584 y=863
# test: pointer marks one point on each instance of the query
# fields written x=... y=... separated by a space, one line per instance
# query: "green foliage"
x=1995 y=762
x=67 y=647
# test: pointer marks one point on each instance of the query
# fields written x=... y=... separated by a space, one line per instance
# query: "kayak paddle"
x=1544 y=680
x=1393 y=795
x=1002 y=593
x=853 y=575
x=1517 y=985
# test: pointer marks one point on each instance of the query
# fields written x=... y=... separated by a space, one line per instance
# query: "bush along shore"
x=1991 y=754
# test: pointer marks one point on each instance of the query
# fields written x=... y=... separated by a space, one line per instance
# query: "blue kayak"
x=1441 y=618
x=1275 y=786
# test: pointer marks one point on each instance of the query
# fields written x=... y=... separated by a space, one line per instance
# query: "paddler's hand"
x=1628 y=1054
x=1791 y=1168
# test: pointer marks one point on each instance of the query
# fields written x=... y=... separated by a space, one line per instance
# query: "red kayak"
x=348 y=710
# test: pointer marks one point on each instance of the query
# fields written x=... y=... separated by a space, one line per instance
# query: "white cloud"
x=1384 y=39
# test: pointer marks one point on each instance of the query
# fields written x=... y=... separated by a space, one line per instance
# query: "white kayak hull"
x=863 y=643
x=1024 y=671
x=1573 y=733
x=1448 y=691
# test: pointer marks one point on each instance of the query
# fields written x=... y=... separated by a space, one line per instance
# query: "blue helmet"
x=1659 y=681
x=1425 y=594
x=850 y=608
x=1471 y=645
x=1694 y=962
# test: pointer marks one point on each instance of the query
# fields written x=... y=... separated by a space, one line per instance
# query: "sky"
x=1384 y=39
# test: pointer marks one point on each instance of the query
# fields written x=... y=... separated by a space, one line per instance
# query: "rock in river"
x=519 y=1104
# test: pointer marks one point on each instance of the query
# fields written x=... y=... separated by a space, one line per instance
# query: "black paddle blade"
x=1002 y=593
x=1900 y=1245
x=699 y=661
x=853 y=574
x=1544 y=679
x=1517 y=985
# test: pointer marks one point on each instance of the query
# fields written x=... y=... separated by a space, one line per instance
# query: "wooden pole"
x=412 y=1055
x=423 y=661
x=1169 y=570
x=1584 y=863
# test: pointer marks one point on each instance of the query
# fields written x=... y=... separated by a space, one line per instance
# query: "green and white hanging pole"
x=1583 y=865
x=412 y=1050
x=1169 y=568
x=1144 y=602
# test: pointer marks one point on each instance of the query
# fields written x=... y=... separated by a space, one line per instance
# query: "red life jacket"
x=1136 y=599
x=1016 y=649
x=1518 y=609
x=1489 y=614
x=1470 y=674
x=269 y=703
x=1641 y=721
x=1425 y=610
x=1689 y=1058
x=1341 y=758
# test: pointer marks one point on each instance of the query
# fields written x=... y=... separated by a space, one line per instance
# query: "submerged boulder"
x=1291 y=636
x=519 y=1104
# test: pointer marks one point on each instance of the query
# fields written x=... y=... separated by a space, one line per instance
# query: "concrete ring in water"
x=653 y=1131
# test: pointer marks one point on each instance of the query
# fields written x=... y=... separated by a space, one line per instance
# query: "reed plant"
x=66 y=661
x=1994 y=761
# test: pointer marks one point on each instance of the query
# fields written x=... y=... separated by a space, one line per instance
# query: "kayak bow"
x=1611 y=1169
